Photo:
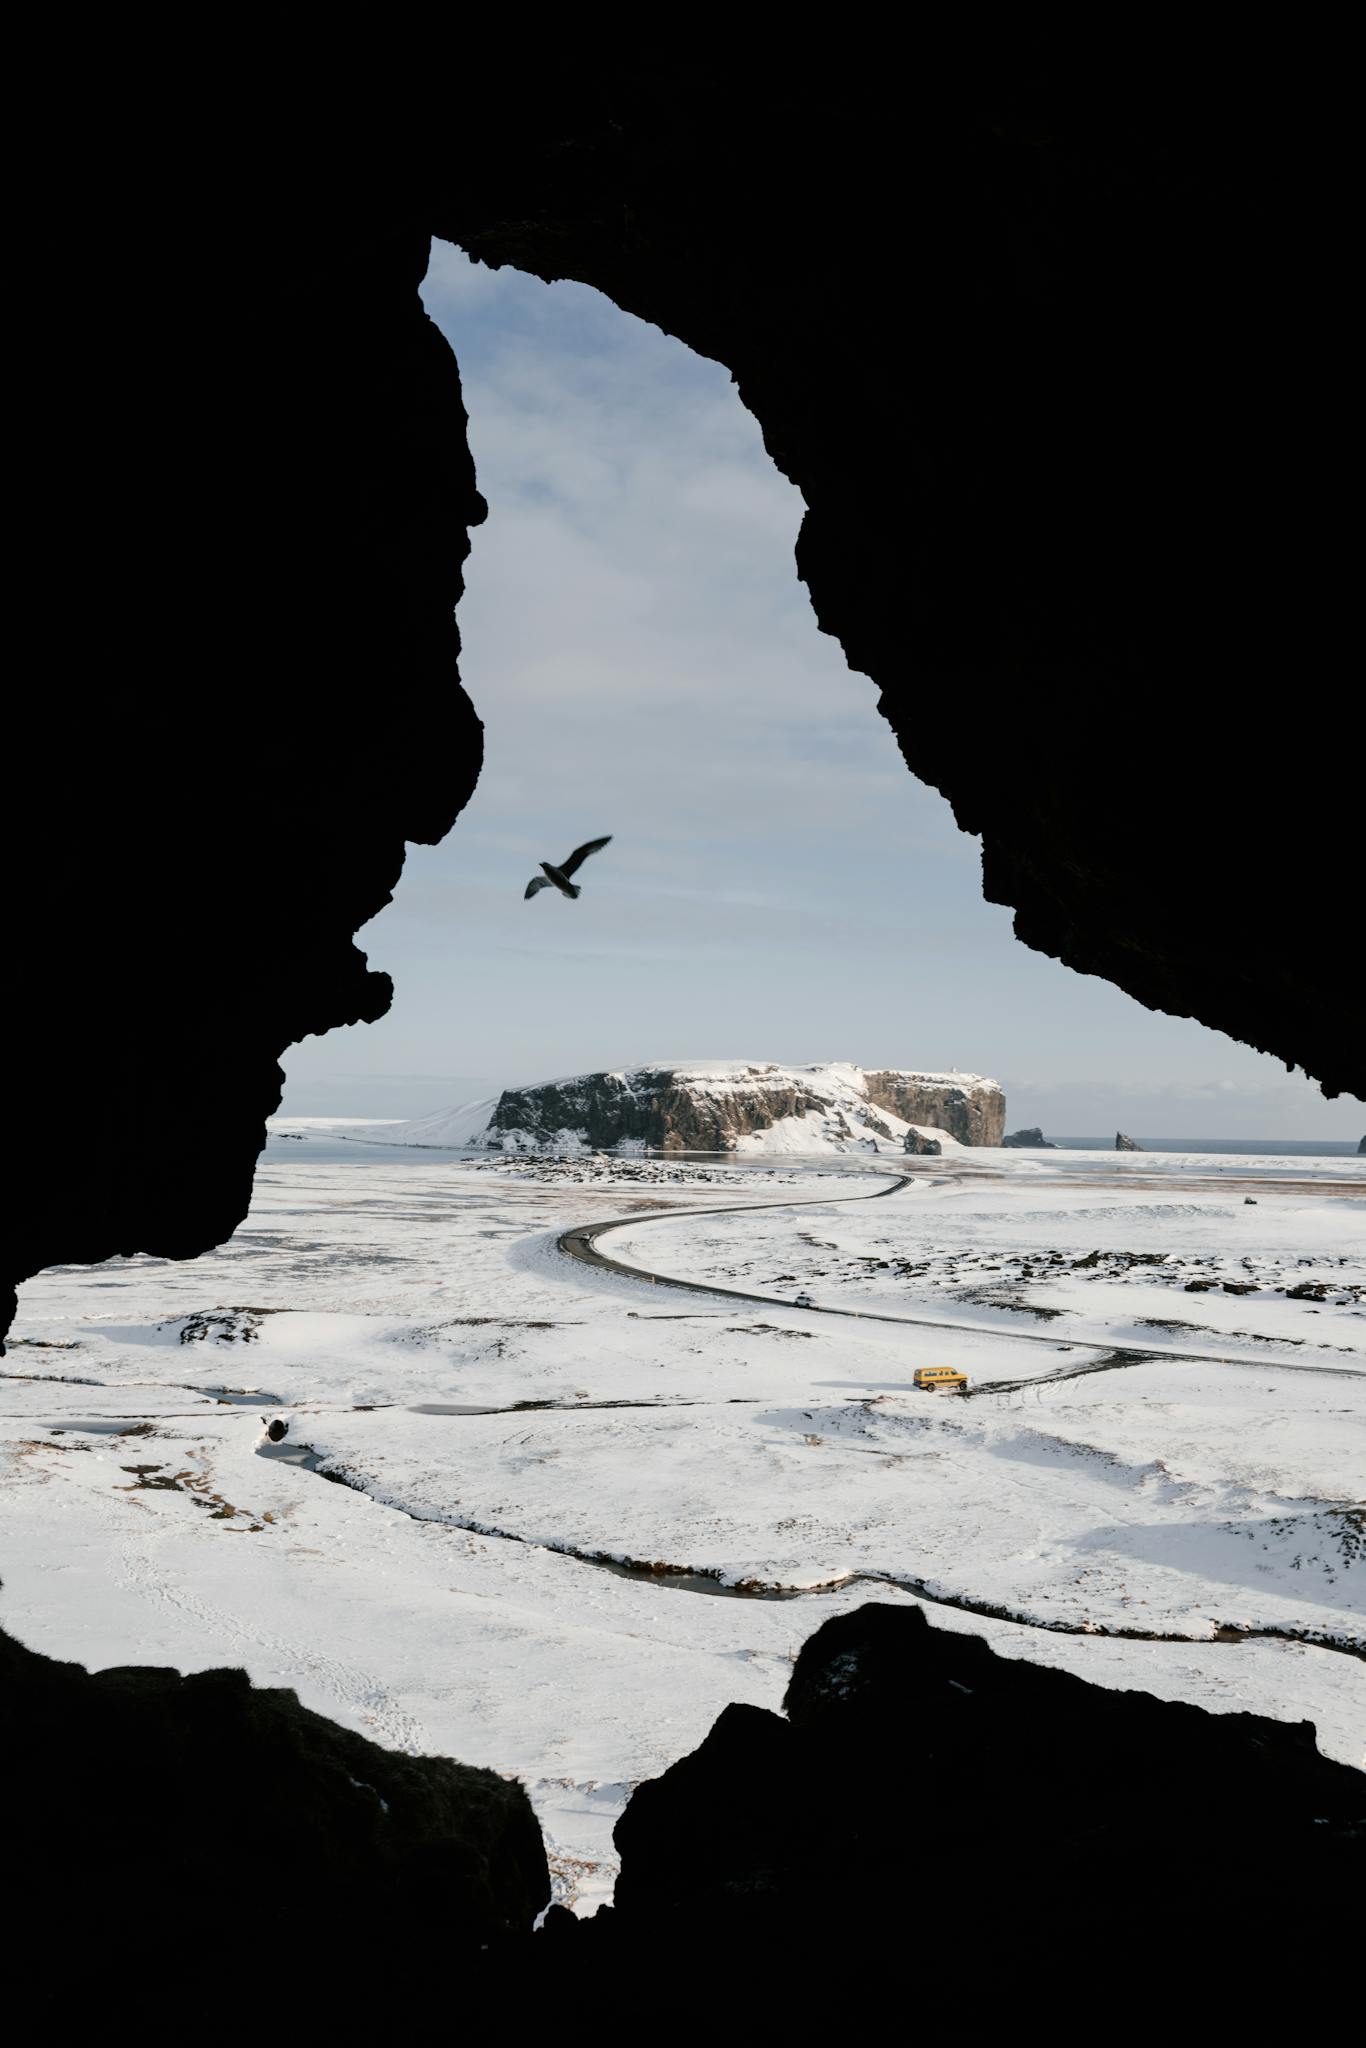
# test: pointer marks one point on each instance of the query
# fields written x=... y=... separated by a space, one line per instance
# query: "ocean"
x=1291 y=1148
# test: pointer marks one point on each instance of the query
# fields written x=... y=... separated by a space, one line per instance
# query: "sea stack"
x=1029 y=1141
x=1123 y=1144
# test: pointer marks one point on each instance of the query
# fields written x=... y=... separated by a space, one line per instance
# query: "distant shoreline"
x=1320 y=1148
x=346 y=1131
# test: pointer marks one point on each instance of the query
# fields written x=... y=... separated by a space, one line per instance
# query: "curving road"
x=581 y=1243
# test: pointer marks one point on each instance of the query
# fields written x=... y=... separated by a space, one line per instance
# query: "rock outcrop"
x=737 y=1105
x=913 y=1767
x=1126 y=1144
x=1361 y=1147
x=1029 y=1141
x=145 y=1810
x=192 y=871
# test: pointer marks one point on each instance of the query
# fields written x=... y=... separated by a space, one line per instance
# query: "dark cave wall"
x=276 y=708
x=1058 y=371
x=1026 y=351
x=1055 y=374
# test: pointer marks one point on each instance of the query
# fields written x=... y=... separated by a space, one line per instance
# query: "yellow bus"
x=940 y=1379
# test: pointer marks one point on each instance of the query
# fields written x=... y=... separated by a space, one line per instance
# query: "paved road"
x=581 y=1243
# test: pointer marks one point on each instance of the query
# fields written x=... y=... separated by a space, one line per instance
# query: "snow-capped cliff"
x=727 y=1106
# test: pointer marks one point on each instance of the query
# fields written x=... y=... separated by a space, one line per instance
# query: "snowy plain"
x=552 y=1473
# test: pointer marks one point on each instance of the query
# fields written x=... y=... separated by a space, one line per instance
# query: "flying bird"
x=559 y=877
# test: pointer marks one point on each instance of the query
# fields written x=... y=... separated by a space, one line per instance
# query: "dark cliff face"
x=603 y=1106
x=972 y=1118
x=653 y=1109
x=690 y=1123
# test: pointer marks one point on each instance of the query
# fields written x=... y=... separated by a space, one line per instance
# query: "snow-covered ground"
x=1135 y=1453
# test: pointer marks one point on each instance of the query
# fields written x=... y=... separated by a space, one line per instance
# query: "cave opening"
x=1015 y=382
x=490 y=1577
x=641 y=651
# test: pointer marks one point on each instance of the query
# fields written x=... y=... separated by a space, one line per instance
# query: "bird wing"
x=536 y=882
x=581 y=853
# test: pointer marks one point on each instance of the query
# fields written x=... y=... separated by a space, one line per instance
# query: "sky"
x=779 y=886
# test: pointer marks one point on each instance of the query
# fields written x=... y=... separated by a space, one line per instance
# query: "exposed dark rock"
x=972 y=1113
x=916 y=1141
x=1361 y=1147
x=913 y=1765
x=1030 y=1141
x=1123 y=1144
x=143 y=1809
